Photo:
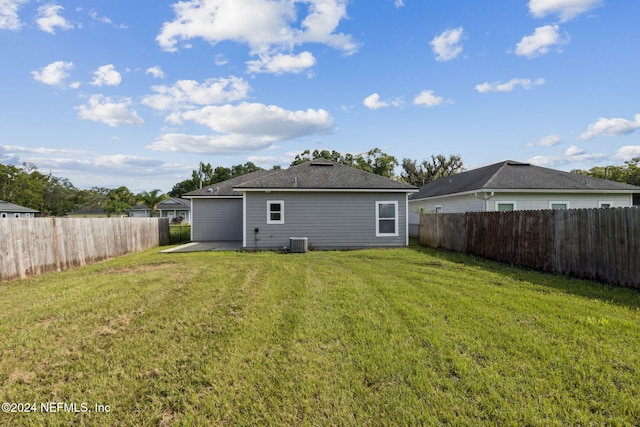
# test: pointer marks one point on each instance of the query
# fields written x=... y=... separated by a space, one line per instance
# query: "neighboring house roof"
x=99 y=211
x=225 y=188
x=10 y=207
x=173 y=203
x=321 y=174
x=513 y=176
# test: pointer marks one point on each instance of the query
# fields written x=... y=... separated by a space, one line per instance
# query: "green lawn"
x=371 y=337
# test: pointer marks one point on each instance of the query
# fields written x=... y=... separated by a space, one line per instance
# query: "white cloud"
x=9 y=19
x=627 y=152
x=106 y=75
x=565 y=9
x=53 y=74
x=41 y=150
x=540 y=42
x=399 y=3
x=572 y=155
x=611 y=127
x=508 y=86
x=428 y=99
x=156 y=72
x=190 y=93
x=103 y=109
x=49 y=18
x=373 y=102
x=446 y=46
x=104 y=19
x=282 y=63
x=548 y=141
x=274 y=31
x=245 y=127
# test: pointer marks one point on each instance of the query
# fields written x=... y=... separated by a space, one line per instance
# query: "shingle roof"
x=510 y=175
x=321 y=174
x=225 y=188
x=10 y=207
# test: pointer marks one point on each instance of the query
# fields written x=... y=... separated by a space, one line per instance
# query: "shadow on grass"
x=626 y=297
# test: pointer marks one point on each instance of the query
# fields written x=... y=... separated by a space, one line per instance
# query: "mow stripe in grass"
x=373 y=337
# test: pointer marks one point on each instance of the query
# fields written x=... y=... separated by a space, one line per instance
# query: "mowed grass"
x=371 y=337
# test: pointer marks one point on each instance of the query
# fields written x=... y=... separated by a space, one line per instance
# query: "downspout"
x=244 y=219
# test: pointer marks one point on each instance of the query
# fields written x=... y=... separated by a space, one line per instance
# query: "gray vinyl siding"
x=450 y=204
x=329 y=220
x=216 y=220
x=534 y=201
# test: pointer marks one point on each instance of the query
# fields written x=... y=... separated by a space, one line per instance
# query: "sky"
x=111 y=92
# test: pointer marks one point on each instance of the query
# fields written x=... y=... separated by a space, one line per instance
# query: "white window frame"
x=16 y=215
x=506 y=202
x=272 y=221
x=605 y=202
x=395 y=219
x=3 y=215
x=559 y=202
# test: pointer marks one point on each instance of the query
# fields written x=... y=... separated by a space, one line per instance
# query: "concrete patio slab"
x=204 y=246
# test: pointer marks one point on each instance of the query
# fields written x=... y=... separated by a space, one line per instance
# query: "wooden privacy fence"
x=594 y=244
x=31 y=246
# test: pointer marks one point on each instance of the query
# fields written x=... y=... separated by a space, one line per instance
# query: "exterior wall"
x=216 y=220
x=17 y=215
x=332 y=220
x=523 y=201
x=535 y=201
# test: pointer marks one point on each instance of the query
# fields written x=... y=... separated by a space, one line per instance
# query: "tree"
x=427 y=171
x=207 y=175
x=120 y=200
x=629 y=173
x=375 y=161
x=151 y=199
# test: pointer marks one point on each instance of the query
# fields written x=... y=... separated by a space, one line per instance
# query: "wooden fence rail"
x=31 y=246
x=595 y=244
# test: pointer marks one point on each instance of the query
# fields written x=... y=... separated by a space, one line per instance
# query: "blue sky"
x=111 y=93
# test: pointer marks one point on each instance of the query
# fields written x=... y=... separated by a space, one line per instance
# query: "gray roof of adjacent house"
x=172 y=203
x=321 y=174
x=511 y=175
x=10 y=207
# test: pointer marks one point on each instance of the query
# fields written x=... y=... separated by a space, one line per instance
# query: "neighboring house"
x=510 y=185
x=174 y=208
x=92 y=213
x=334 y=206
x=9 y=210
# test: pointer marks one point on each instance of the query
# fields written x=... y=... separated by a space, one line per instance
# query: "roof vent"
x=209 y=190
x=321 y=162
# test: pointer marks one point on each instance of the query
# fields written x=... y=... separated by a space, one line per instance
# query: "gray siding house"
x=513 y=185
x=334 y=206
x=10 y=210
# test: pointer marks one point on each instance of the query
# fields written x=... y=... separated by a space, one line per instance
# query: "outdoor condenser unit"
x=298 y=245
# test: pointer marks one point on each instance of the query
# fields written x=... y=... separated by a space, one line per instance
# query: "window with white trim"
x=16 y=215
x=437 y=209
x=275 y=211
x=505 y=206
x=605 y=205
x=386 y=219
x=3 y=215
x=558 y=205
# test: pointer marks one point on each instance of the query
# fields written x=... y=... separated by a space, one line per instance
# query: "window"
x=437 y=209
x=505 y=206
x=3 y=215
x=558 y=205
x=605 y=205
x=386 y=219
x=275 y=212
x=16 y=215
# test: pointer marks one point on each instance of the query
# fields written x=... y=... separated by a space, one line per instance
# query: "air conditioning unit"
x=297 y=245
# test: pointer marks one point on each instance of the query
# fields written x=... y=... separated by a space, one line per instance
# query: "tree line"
x=53 y=196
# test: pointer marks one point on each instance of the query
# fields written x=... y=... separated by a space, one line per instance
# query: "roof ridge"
x=494 y=176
